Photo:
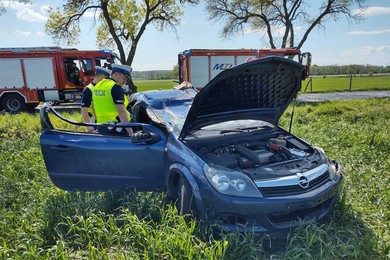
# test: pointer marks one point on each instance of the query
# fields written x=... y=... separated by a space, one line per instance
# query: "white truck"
x=199 y=66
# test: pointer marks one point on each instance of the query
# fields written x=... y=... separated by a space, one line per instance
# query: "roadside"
x=325 y=96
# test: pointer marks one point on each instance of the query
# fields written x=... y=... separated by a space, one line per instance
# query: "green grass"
x=319 y=84
x=40 y=221
x=143 y=85
x=359 y=83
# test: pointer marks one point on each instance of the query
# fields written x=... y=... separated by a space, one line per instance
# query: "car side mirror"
x=145 y=137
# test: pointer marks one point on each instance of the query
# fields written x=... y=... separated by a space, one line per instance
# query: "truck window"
x=294 y=57
x=87 y=67
x=72 y=69
x=104 y=62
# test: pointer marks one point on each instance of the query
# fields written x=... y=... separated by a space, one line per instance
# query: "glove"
x=140 y=136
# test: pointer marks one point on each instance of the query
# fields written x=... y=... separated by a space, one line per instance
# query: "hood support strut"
x=292 y=114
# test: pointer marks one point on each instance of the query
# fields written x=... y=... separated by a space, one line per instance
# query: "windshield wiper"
x=231 y=131
x=240 y=130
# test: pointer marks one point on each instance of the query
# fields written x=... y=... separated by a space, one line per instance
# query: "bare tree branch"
x=124 y=29
x=285 y=14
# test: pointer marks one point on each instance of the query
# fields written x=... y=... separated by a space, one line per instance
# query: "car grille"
x=294 y=189
x=303 y=214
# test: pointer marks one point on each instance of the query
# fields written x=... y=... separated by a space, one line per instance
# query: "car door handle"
x=60 y=148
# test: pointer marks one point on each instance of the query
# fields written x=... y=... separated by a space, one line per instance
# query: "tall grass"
x=39 y=221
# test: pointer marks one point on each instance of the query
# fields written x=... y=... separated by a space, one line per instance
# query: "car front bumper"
x=270 y=215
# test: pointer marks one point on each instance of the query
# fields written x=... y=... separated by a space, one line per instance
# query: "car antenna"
x=292 y=114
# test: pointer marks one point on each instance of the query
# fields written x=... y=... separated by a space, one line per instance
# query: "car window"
x=176 y=115
x=236 y=124
x=231 y=127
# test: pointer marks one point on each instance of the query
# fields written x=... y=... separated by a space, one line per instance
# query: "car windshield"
x=170 y=107
x=176 y=115
x=231 y=127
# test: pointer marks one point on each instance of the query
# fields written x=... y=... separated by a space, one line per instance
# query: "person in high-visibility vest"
x=87 y=109
x=109 y=99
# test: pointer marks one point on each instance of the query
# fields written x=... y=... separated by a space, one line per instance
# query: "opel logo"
x=303 y=182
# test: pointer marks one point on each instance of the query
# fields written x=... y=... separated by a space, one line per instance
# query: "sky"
x=340 y=43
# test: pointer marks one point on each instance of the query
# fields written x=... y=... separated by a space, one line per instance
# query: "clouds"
x=374 y=32
x=367 y=50
x=22 y=33
x=373 y=55
x=26 y=34
x=28 y=12
x=377 y=55
x=360 y=43
x=15 y=5
x=24 y=23
x=372 y=11
x=30 y=15
x=384 y=49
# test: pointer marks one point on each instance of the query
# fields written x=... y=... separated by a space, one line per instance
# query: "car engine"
x=264 y=159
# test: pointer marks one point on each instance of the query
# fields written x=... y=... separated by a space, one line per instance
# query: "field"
x=144 y=85
x=39 y=221
x=342 y=83
x=319 y=84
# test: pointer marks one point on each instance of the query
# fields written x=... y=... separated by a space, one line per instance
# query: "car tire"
x=185 y=197
x=14 y=103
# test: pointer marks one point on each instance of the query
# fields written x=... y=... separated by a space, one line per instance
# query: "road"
x=319 y=97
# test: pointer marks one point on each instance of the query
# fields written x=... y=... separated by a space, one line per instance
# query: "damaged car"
x=219 y=153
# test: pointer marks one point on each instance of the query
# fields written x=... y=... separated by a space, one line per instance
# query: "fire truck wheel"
x=13 y=103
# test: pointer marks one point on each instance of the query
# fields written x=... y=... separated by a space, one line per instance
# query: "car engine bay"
x=281 y=155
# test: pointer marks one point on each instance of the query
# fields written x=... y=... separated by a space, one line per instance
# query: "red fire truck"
x=199 y=66
x=32 y=75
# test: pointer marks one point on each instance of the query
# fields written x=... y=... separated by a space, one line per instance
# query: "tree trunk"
x=132 y=86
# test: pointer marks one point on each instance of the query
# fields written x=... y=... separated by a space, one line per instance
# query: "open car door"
x=94 y=162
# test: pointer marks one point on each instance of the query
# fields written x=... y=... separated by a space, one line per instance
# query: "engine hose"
x=283 y=151
x=287 y=152
x=247 y=153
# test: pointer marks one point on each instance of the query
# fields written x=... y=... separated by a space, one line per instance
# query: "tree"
x=121 y=23
x=2 y=6
x=273 y=16
x=175 y=71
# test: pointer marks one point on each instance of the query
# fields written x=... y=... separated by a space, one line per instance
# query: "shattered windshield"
x=170 y=107
x=175 y=115
x=231 y=127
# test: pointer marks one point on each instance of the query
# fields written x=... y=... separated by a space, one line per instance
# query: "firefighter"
x=87 y=110
x=75 y=74
x=109 y=99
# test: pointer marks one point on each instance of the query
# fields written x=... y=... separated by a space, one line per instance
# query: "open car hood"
x=260 y=89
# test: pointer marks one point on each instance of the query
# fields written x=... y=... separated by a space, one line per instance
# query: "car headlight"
x=331 y=167
x=331 y=170
x=230 y=182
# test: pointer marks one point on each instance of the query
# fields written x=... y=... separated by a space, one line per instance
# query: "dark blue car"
x=219 y=153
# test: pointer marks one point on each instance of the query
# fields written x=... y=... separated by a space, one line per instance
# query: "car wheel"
x=185 y=197
x=13 y=103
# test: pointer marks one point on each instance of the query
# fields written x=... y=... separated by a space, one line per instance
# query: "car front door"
x=92 y=162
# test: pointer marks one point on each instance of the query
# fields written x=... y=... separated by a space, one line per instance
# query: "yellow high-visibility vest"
x=103 y=103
